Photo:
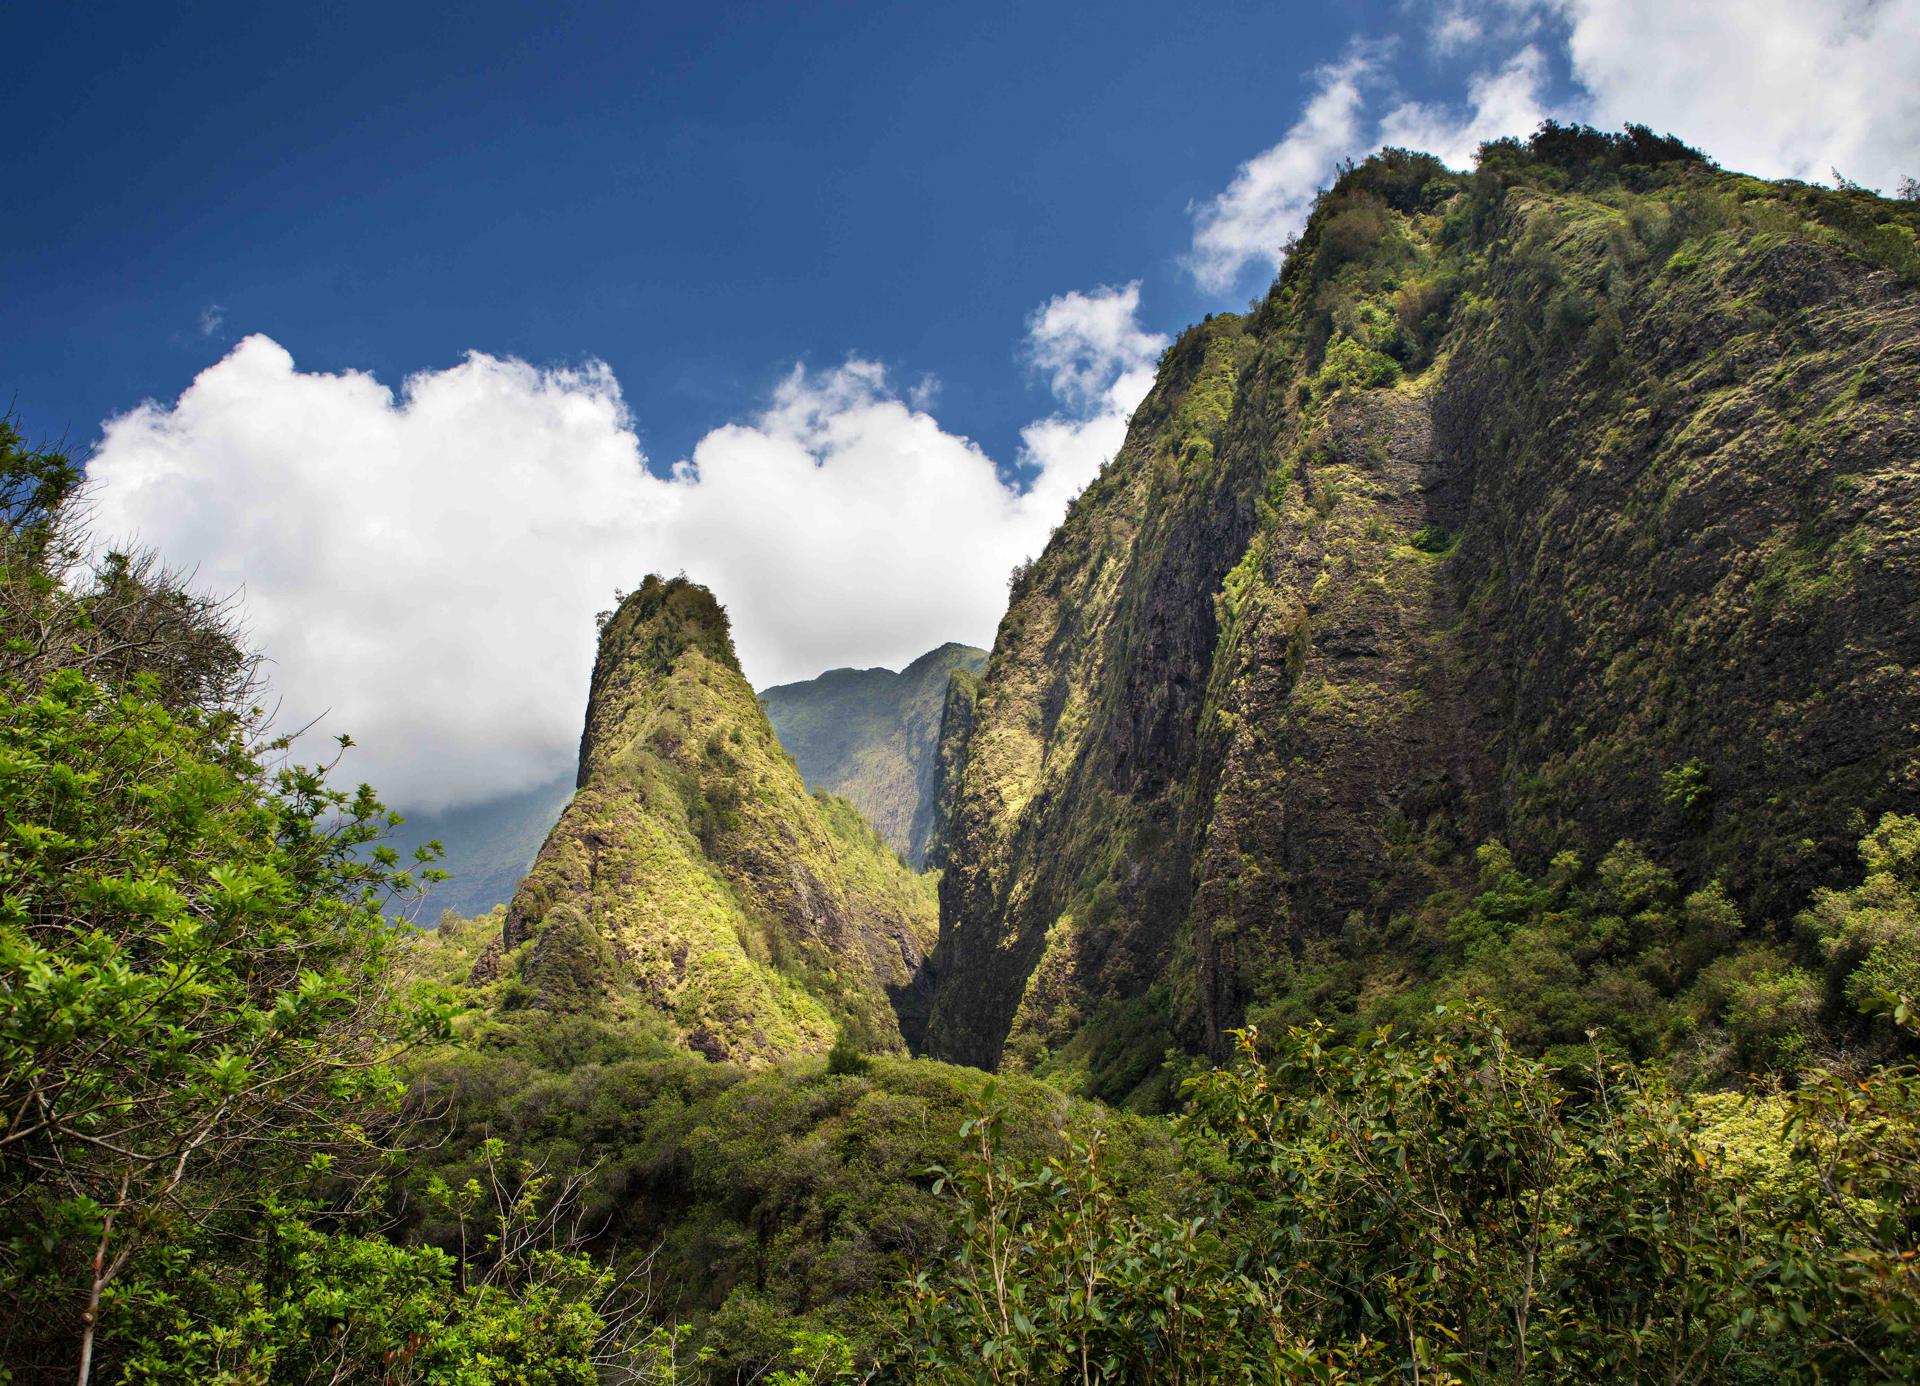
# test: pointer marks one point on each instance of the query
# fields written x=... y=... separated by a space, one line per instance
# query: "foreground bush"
x=1445 y=1209
x=197 y=1027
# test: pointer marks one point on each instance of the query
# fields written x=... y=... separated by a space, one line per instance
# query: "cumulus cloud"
x=1271 y=193
x=1082 y=341
x=1504 y=101
x=422 y=566
x=844 y=526
x=1780 y=88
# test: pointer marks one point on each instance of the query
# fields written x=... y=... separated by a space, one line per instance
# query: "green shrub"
x=1440 y=1209
x=1685 y=787
x=1349 y=364
x=1870 y=934
x=845 y=1056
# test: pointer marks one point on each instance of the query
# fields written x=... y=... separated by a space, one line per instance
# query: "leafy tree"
x=1443 y=1208
x=845 y=1057
x=1057 y=1278
x=195 y=962
x=1870 y=935
x=1845 y=1254
x=112 y=615
x=298 y=1303
x=198 y=1023
x=1685 y=786
x=338 y=1307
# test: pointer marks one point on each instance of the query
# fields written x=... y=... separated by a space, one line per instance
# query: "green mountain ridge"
x=867 y=735
x=872 y=736
x=1534 y=559
x=1571 y=504
x=693 y=881
x=1486 y=673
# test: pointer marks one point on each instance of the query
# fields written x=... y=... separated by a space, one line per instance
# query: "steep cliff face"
x=872 y=736
x=693 y=879
x=1066 y=848
x=949 y=755
x=1572 y=501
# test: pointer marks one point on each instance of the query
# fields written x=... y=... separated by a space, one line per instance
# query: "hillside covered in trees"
x=1426 y=889
x=693 y=878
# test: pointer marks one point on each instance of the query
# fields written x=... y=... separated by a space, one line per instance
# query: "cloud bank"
x=422 y=566
x=1778 y=88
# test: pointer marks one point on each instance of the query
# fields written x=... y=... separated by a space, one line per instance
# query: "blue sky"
x=697 y=196
x=425 y=330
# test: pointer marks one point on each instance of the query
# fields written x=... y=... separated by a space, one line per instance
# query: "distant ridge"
x=489 y=846
x=872 y=736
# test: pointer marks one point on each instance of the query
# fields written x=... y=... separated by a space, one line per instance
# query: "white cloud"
x=844 y=526
x=1503 y=102
x=1453 y=28
x=1779 y=88
x=1272 y=192
x=423 y=566
x=1083 y=340
x=423 y=569
x=211 y=317
x=1100 y=363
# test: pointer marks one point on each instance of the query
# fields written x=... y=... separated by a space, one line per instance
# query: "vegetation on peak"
x=641 y=641
x=693 y=880
x=663 y=617
x=1564 y=507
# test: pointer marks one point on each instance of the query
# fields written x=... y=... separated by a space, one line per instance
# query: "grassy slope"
x=771 y=1200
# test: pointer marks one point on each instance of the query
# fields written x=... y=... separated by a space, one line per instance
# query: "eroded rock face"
x=1085 y=727
x=693 y=878
x=1519 y=496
